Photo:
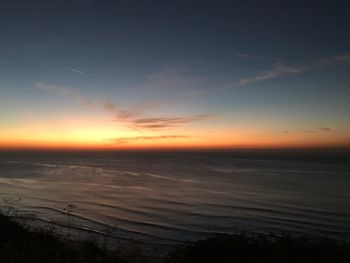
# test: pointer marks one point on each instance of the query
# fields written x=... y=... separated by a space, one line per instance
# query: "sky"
x=105 y=74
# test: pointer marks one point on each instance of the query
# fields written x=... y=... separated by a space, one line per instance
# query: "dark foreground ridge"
x=19 y=244
x=262 y=249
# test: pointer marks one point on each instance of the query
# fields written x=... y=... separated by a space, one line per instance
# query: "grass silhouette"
x=19 y=244
x=68 y=210
x=10 y=205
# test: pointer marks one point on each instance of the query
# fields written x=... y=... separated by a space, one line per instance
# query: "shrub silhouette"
x=68 y=210
x=10 y=204
x=18 y=245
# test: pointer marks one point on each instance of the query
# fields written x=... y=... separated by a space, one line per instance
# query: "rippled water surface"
x=169 y=197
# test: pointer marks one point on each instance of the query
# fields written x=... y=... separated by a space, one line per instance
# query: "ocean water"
x=168 y=197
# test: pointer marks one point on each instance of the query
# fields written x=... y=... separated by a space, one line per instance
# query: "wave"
x=182 y=197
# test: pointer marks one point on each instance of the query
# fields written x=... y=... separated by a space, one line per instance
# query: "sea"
x=168 y=197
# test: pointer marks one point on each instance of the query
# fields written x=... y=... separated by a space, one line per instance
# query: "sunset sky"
x=172 y=74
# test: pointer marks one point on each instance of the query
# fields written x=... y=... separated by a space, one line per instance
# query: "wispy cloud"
x=119 y=112
x=335 y=59
x=243 y=55
x=134 y=117
x=124 y=140
x=323 y=129
x=138 y=110
x=279 y=68
x=276 y=71
x=77 y=71
x=66 y=91
x=326 y=129
x=156 y=123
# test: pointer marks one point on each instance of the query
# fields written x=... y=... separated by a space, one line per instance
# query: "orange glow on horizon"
x=186 y=143
x=97 y=134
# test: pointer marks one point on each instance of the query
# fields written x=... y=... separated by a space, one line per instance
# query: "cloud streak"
x=134 y=117
x=77 y=71
x=326 y=129
x=125 y=140
x=323 y=129
x=335 y=59
x=243 y=55
x=280 y=69
x=157 y=123
x=276 y=71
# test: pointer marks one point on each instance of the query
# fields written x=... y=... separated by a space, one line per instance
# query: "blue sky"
x=218 y=67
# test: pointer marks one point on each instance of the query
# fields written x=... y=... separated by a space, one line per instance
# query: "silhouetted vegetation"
x=68 y=210
x=10 y=205
x=271 y=249
x=19 y=244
